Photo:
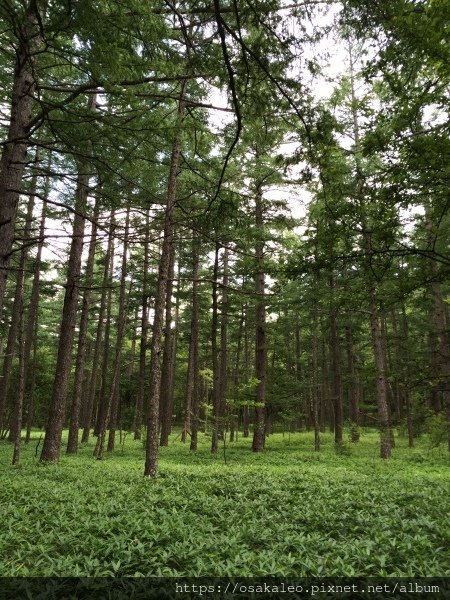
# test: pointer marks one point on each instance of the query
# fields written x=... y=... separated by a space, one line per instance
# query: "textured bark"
x=17 y=318
x=247 y=361
x=381 y=379
x=103 y=393
x=192 y=394
x=32 y=322
x=215 y=355
x=315 y=398
x=89 y=398
x=112 y=412
x=260 y=334
x=151 y=451
x=17 y=310
x=130 y=367
x=143 y=338
x=405 y=367
x=223 y=364
x=52 y=442
x=31 y=387
x=336 y=379
x=12 y=163
x=165 y=395
x=17 y=415
x=353 y=385
x=72 y=443
x=237 y=374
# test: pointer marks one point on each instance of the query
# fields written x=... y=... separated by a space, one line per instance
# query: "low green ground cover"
x=287 y=512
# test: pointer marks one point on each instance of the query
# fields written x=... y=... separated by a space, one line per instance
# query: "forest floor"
x=288 y=511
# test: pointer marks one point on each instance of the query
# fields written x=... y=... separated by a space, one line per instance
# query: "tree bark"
x=151 y=450
x=12 y=163
x=52 y=443
x=215 y=354
x=336 y=378
x=114 y=396
x=89 y=400
x=223 y=364
x=192 y=395
x=72 y=443
x=353 y=386
x=18 y=408
x=260 y=325
x=32 y=321
x=138 y=418
x=165 y=404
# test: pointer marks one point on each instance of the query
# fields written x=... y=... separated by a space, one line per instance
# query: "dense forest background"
x=224 y=217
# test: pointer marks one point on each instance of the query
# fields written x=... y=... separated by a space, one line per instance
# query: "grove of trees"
x=227 y=217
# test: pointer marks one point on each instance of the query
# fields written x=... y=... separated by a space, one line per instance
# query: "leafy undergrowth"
x=286 y=512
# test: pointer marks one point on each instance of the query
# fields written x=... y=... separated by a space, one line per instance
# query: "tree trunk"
x=114 y=397
x=17 y=419
x=353 y=387
x=315 y=399
x=381 y=379
x=143 y=338
x=17 y=311
x=214 y=355
x=89 y=400
x=72 y=443
x=32 y=321
x=336 y=379
x=375 y=328
x=151 y=453
x=165 y=404
x=103 y=394
x=192 y=396
x=260 y=325
x=52 y=442
x=223 y=365
x=13 y=158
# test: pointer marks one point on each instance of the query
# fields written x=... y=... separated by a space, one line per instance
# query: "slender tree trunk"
x=237 y=373
x=12 y=163
x=375 y=327
x=315 y=399
x=165 y=408
x=16 y=316
x=260 y=325
x=214 y=354
x=17 y=428
x=223 y=365
x=143 y=338
x=52 y=442
x=353 y=387
x=336 y=378
x=72 y=443
x=103 y=395
x=89 y=399
x=245 y=410
x=31 y=386
x=114 y=397
x=192 y=399
x=406 y=375
x=381 y=379
x=130 y=367
x=151 y=454
x=32 y=321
